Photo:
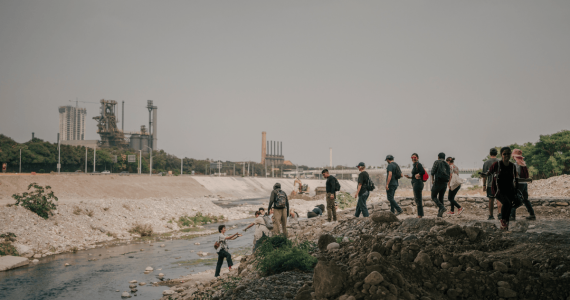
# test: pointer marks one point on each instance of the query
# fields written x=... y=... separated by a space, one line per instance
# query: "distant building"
x=72 y=123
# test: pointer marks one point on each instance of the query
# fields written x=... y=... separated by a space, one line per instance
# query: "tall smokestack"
x=281 y=150
x=263 y=147
x=32 y=136
x=149 y=106
x=123 y=117
x=330 y=157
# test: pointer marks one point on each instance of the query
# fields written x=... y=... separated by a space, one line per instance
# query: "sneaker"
x=440 y=213
x=491 y=218
x=499 y=216
x=532 y=218
x=450 y=213
x=230 y=267
x=460 y=210
x=504 y=225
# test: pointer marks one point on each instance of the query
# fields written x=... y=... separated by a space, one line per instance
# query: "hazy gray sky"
x=368 y=78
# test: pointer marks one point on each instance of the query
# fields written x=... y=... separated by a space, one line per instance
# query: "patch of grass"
x=142 y=229
x=278 y=254
x=111 y=234
x=167 y=234
x=8 y=249
x=74 y=249
x=38 y=201
x=199 y=218
x=345 y=200
x=77 y=210
x=190 y=229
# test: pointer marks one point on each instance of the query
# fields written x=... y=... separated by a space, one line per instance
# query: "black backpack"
x=442 y=174
x=336 y=185
x=280 y=199
x=370 y=185
x=397 y=173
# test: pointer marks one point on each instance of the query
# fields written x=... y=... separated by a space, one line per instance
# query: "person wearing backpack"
x=522 y=170
x=278 y=200
x=332 y=186
x=365 y=186
x=393 y=173
x=504 y=185
x=418 y=178
x=439 y=179
x=260 y=228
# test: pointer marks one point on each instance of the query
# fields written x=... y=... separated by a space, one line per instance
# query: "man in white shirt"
x=223 y=249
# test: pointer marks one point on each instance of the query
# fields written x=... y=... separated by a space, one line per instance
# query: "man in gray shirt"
x=487 y=183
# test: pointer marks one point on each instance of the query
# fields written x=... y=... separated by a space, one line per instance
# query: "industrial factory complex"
x=72 y=128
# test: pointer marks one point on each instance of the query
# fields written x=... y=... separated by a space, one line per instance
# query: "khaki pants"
x=280 y=216
x=331 y=211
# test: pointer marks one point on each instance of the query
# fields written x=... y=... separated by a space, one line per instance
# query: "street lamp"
x=150 y=172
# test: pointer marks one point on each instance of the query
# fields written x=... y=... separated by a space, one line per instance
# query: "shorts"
x=490 y=193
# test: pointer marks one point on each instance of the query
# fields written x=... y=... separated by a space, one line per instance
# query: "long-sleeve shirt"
x=273 y=197
x=418 y=169
x=440 y=163
x=331 y=184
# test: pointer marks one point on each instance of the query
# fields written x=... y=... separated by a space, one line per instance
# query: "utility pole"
x=20 y=161
x=58 y=154
x=94 y=158
x=219 y=170
x=150 y=151
x=181 y=166
x=265 y=169
x=140 y=161
x=234 y=170
x=85 y=160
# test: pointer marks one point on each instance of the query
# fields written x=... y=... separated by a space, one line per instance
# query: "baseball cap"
x=361 y=165
x=389 y=157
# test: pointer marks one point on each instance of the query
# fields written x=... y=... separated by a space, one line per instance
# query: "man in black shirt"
x=362 y=192
x=440 y=174
x=331 y=194
x=418 y=172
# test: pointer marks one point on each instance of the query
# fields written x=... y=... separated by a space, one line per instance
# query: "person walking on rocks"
x=505 y=181
x=418 y=173
x=363 y=191
x=453 y=179
x=487 y=182
x=522 y=170
x=279 y=201
x=439 y=179
x=223 y=249
x=332 y=187
x=393 y=173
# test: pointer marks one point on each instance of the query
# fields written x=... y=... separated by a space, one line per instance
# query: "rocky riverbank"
x=389 y=257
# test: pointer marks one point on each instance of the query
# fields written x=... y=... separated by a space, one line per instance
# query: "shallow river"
x=116 y=266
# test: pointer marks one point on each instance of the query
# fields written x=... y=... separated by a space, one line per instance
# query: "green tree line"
x=42 y=157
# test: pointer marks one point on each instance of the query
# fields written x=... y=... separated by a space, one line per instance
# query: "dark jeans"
x=437 y=193
x=524 y=189
x=451 y=198
x=418 y=188
x=507 y=199
x=390 y=194
x=311 y=215
x=361 y=205
x=223 y=253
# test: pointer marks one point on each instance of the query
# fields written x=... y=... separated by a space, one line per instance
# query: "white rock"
x=150 y=269
x=24 y=250
x=126 y=295
x=332 y=246
x=11 y=262
x=35 y=261
x=168 y=292
x=160 y=275
x=162 y=245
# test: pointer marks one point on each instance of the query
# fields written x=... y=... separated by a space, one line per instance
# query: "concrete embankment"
x=77 y=187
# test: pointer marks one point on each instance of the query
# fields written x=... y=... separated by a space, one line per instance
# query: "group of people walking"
x=504 y=182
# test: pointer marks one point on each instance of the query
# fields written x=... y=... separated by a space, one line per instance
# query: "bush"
x=8 y=249
x=186 y=221
x=278 y=254
x=345 y=200
x=37 y=201
x=142 y=229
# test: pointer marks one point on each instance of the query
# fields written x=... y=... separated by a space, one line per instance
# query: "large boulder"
x=423 y=259
x=374 y=278
x=11 y=262
x=384 y=217
x=472 y=232
x=24 y=250
x=324 y=241
x=328 y=280
x=454 y=230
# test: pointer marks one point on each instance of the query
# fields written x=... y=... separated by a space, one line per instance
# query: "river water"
x=116 y=266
